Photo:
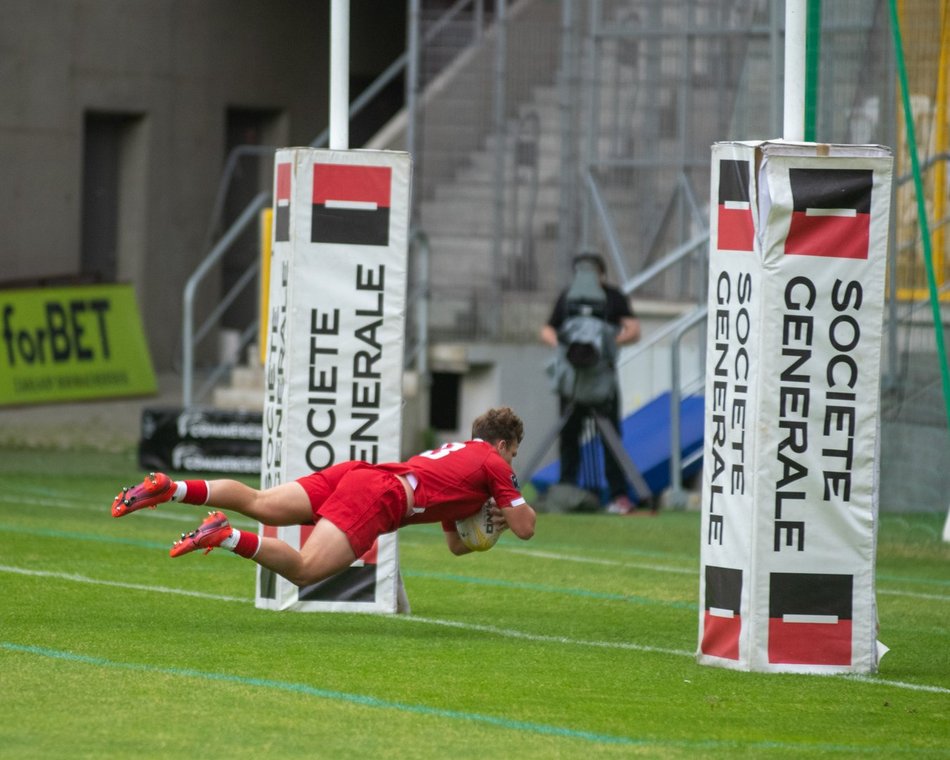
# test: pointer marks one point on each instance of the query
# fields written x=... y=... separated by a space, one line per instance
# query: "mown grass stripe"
x=363 y=700
x=546 y=589
x=536 y=587
x=73 y=536
x=907 y=579
x=544 y=639
x=48 y=533
x=503 y=632
x=915 y=595
x=240 y=521
x=76 y=578
x=557 y=556
x=155 y=514
x=366 y=700
x=509 y=633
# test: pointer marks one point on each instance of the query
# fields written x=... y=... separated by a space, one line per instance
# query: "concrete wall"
x=500 y=374
x=176 y=67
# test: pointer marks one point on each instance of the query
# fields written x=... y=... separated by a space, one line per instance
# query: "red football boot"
x=210 y=534
x=155 y=489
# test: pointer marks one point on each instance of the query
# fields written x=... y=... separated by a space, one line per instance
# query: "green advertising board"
x=72 y=343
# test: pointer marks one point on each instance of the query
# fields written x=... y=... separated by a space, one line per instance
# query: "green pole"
x=812 y=66
x=921 y=208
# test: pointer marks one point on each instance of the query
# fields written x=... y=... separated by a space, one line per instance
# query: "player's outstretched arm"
x=520 y=520
x=455 y=544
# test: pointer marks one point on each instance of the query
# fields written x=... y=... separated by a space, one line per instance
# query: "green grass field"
x=579 y=643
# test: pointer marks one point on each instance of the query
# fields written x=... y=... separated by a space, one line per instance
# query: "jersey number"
x=443 y=451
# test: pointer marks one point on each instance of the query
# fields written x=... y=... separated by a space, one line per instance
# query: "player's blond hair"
x=500 y=424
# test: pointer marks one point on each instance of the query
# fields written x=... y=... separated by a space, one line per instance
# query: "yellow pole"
x=906 y=287
x=267 y=222
x=940 y=146
x=919 y=14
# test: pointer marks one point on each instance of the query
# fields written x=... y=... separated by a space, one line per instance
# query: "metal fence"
x=568 y=125
x=542 y=127
x=557 y=126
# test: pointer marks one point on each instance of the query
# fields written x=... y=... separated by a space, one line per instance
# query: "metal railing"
x=677 y=328
x=417 y=341
x=695 y=248
x=191 y=336
x=677 y=392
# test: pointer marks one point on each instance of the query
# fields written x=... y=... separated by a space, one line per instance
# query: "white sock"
x=180 y=490
x=231 y=541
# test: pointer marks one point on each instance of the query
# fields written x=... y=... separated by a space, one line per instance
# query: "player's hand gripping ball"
x=478 y=532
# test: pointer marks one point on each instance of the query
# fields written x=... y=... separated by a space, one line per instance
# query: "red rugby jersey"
x=454 y=481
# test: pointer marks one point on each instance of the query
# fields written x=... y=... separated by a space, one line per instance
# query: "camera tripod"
x=611 y=442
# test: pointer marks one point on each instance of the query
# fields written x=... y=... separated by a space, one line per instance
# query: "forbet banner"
x=72 y=343
x=334 y=355
x=798 y=250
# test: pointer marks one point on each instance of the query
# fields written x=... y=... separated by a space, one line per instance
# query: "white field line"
x=513 y=634
x=915 y=595
x=76 y=578
x=503 y=632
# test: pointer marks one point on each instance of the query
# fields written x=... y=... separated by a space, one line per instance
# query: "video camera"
x=584 y=327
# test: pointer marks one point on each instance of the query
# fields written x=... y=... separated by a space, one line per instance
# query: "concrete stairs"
x=245 y=389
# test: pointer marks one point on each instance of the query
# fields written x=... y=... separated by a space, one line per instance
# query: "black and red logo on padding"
x=357 y=583
x=351 y=204
x=831 y=213
x=282 y=197
x=722 y=620
x=736 y=232
x=810 y=618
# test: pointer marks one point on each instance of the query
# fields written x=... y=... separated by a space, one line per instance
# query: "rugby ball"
x=477 y=531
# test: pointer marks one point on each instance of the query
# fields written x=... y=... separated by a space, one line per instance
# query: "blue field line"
x=365 y=700
x=362 y=700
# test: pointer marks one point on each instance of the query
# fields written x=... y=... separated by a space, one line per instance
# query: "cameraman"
x=625 y=329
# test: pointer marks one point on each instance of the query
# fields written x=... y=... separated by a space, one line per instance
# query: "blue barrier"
x=646 y=437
